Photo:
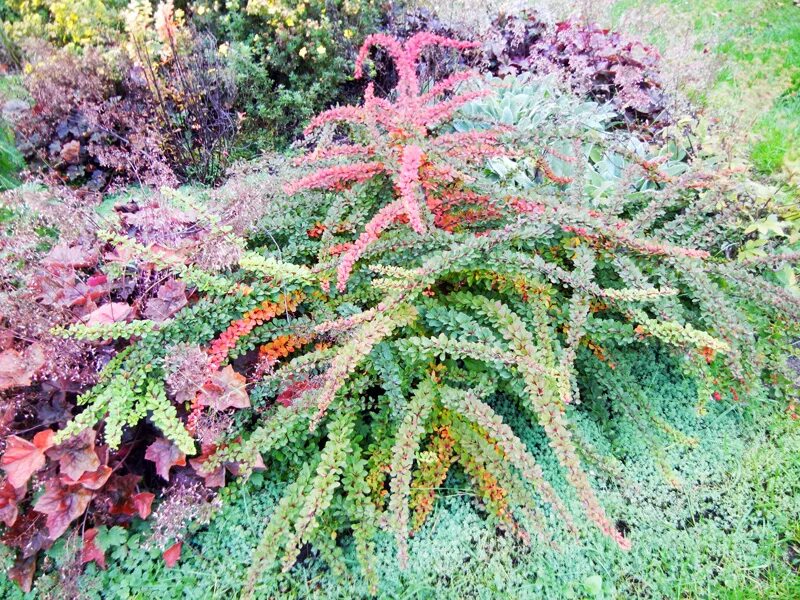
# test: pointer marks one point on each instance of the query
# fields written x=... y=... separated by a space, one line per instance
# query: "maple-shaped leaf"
x=9 y=497
x=166 y=455
x=22 y=572
x=172 y=554
x=23 y=458
x=112 y=312
x=75 y=257
x=143 y=502
x=225 y=389
x=17 y=369
x=90 y=550
x=77 y=455
x=91 y=480
x=171 y=297
x=213 y=478
x=62 y=505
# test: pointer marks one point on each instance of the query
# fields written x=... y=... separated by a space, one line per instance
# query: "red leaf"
x=215 y=478
x=91 y=551
x=97 y=280
x=28 y=533
x=9 y=496
x=172 y=555
x=23 y=458
x=112 y=312
x=225 y=389
x=166 y=455
x=16 y=370
x=77 y=455
x=90 y=480
x=62 y=505
x=143 y=501
x=22 y=572
x=170 y=299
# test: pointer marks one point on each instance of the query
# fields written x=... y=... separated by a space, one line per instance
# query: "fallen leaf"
x=71 y=257
x=225 y=389
x=112 y=312
x=23 y=458
x=166 y=455
x=17 y=369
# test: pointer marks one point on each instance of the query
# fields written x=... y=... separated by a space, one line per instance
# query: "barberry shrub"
x=435 y=287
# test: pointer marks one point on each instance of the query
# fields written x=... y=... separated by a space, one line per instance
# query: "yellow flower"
x=303 y=52
x=321 y=50
x=201 y=10
x=348 y=33
x=223 y=49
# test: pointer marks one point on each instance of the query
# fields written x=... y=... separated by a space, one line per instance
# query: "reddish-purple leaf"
x=90 y=550
x=166 y=455
x=9 y=497
x=76 y=257
x=77 y=455
x=93 y=480
x=22 y=572
x=62 y=505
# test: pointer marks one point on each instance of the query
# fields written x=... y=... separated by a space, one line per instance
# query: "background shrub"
x=88 y=123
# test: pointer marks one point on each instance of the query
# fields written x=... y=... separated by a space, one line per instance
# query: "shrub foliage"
x=434 y=261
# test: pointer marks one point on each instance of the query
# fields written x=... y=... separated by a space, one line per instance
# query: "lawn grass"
x=758 y=85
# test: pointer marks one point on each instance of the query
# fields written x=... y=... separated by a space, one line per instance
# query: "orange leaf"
x=23 y=458
x=143 y=501
x=226 y=389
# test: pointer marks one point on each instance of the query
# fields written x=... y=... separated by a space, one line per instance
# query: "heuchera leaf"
x=226 y=389
x=9 y=496
x=17 y=369
x=23 y=458
x=143 y=501
x=90 y=550
x=111 y=312
x=171 y=297
x=77 y=257
x=22 y=572
x=62 y=505
x=77 y=455
x=93 y=480
x=166 y=455
x=172 y=555
x=215 y=478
